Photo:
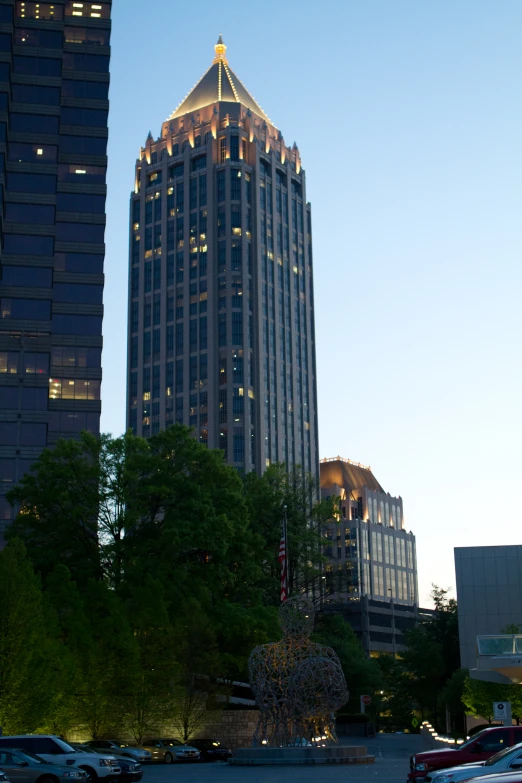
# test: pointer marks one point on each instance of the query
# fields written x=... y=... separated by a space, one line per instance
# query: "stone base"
x=334 y=754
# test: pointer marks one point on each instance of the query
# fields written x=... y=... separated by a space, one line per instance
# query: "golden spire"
x=221 y=52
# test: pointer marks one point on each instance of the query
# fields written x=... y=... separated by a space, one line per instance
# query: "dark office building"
x=54 y=83
x=221 y=321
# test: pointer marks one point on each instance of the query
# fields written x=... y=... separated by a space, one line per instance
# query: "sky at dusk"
x=408 y=117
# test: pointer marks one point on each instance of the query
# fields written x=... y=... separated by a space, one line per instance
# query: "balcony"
x=499 y=659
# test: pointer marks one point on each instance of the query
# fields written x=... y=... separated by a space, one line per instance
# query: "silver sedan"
x=169 y=750
x=21 y=766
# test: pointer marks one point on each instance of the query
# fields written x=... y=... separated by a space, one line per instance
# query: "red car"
x=479 y=748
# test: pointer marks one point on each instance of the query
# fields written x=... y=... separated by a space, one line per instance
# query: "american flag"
x=282 y=560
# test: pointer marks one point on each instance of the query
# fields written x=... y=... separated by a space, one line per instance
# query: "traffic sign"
x=502 y=711
x=366 y=700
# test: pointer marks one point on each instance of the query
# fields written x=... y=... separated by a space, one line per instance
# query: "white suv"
x=53 y=749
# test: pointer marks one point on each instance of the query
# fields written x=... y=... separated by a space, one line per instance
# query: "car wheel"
x=93 y=777
x=168 y=758
x=47 y=779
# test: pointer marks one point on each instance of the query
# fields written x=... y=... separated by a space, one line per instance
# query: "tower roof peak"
x=219 y=83
x=221 y=51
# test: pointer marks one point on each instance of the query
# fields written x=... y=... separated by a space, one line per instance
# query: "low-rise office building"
x=371 y=574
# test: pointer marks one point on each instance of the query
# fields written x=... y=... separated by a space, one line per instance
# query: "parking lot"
x=391 y=765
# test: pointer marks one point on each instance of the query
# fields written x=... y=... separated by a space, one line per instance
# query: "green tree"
x=58 y=518
x=478 y=698
x=394 y=707
x=266 y=497
x=152 y=696
x=362 y=674
x=432 y=655
x=112 y=662
x=29 y=654
x=75 y=634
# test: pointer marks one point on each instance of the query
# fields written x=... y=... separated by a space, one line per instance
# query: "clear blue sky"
x=408 y=116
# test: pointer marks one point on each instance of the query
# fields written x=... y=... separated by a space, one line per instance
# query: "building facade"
x=54 y=82
x=370 y=553
x=381 y=626
x=221 y=319
x=489 y=590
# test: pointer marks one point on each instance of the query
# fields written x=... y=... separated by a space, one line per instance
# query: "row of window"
x=31 y=9
x=23 y=434
x=53 y=39
x=46 y=183
x=21 y=152
x=18 y=244
x=45 y=214
x=73 y=389
x=14 y=398
x=35 y=363
x=60 y=422
x=50 y=96
x=49 y=66
x=40 y=309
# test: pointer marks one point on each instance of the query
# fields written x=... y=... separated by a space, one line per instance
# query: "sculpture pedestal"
x=334 y=754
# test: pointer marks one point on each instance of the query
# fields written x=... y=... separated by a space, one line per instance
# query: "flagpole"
x=284 y=563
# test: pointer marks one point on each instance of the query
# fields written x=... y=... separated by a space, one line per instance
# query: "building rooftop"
x=219 y=83
x=347 y=474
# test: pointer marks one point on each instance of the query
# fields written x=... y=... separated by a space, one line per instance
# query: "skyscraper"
x=221 y=319
x=54 y=82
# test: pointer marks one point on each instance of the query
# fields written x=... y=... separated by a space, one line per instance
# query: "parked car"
x=507 y=760
x=479 y=748
x=502 y=777
x=55 y=750
x=120 y=749
x=25 y=767
x=211 y=750
x=169 y=750
x=131 y=770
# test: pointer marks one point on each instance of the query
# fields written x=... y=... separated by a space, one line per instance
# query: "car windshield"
x=64 y=745
x=472 y=740
x=171 y=742
x=498 y=756
x=26 y=755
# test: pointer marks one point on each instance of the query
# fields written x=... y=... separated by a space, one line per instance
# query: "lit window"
x=39 y=151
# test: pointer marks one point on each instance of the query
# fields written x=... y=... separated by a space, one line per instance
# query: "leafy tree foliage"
x=29 y=652
x=478 y=697
x=432 y=655
x=362 y=674
x=269 y=497
x=158 y=562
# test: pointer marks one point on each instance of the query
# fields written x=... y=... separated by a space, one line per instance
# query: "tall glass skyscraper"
x=221 y=318
x=54 y=83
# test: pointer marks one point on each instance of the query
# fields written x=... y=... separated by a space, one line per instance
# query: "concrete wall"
x=489 y=593
x=233 y=728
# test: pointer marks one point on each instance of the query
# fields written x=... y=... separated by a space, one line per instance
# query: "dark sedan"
x=211 y=750
x=131 y=770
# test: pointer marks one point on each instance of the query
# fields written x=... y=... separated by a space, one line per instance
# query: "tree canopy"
x=152 y=561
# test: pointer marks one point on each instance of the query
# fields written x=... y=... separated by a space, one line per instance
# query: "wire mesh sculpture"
x=298 y=684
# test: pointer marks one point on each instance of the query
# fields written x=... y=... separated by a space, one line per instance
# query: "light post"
x=392 y=607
